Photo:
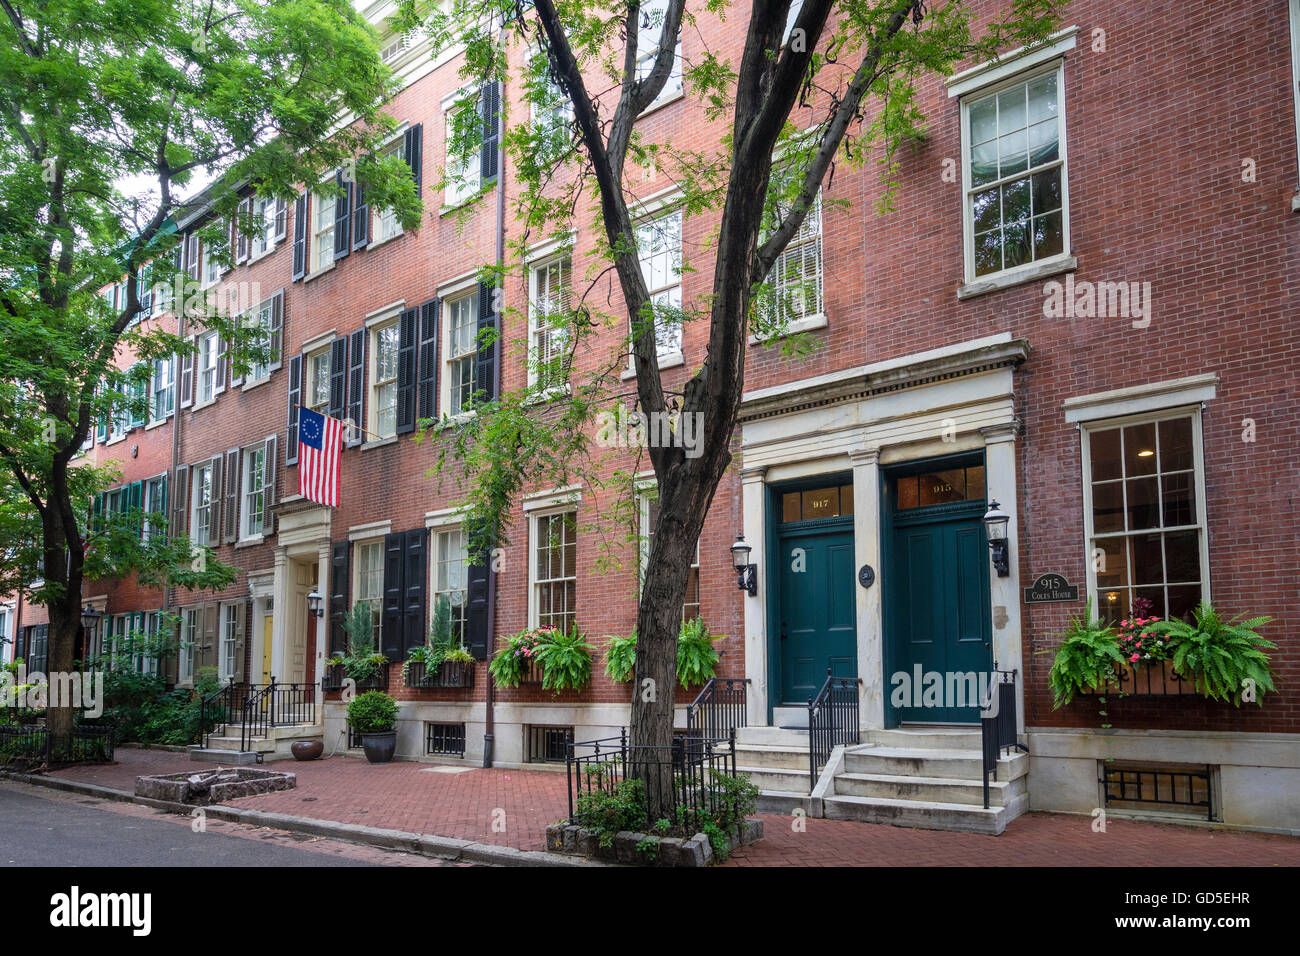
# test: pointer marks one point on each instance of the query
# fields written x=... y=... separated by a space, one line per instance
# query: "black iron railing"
x=31 y=744
x=447 y=674
x=275 y=705
x=221 y=708
x=690 y=767
x=832 y=721
x=1149 y=785
x=720 y=708
x=999 y=724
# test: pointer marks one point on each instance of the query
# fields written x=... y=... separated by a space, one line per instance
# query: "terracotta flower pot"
x=307 y=749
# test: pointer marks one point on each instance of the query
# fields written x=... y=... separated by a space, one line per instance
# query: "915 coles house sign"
x=1051 y=587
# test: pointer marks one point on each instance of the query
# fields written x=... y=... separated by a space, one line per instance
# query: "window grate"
x=445 y=739
x=1152 y=786
x=548 y=744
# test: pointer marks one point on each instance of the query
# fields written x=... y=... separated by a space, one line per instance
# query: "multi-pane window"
x=1145 y=527
x=555 y=574
x=1015 y=175
x=449 y=577
x=155 y=505
x=462 y=160
x=796 y=276
x=36 y=650
x=322 y=245
x=212 y=267
x=260 y=318
x=200 y=503
x=386 y=224
x=318 y=381
x=205 y=368
x=552 y=111
x=659 y=243
x=385 y=379
x=263 y=237
x=462 y=350
x=189 y=640
x=649 y=518
x=647 y=48
x=253 y=512
x=370 y=582
x=164 y=388
x=548 y=315
x=229 y=639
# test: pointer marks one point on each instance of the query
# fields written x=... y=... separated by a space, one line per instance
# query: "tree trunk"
x=65 y=626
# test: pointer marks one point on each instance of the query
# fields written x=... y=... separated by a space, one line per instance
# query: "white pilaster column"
x=322 y=622
x=1000 y=483
x=867 y=603
x=753 y=496
x=281 y=612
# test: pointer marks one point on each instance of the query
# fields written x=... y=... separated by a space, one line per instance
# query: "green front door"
x=938 y=627
x=817 y=620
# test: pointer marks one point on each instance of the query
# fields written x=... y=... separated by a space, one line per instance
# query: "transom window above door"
x=940 y=487
x=832 y=501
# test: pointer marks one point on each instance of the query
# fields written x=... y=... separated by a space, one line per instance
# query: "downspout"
x=489 y=721
x=176 y=455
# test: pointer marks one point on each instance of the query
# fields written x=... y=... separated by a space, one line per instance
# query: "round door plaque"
x=866 y=576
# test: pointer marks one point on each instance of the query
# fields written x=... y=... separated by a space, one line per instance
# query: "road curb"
x=440 y=847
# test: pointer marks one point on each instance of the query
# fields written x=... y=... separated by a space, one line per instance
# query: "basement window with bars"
x=447 y=740
x=547 y=744
x=1174 y=789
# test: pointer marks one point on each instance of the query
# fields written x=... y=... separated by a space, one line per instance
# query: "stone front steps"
x=274 y=746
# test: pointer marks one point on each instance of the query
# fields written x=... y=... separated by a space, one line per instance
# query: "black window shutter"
x=295 y=396
x=340 y=561
x=490 y=110
x=477 y=639
x=408 y=331
x=338 y=376
x=233 y=477
x=414 y=149
x=301 y=229
x=360 y=218
x=416 y=584
x=394 y=594
x=342 y=217
x=485 y=365
x=357 y=387
x=180 y=492
x=427 y=403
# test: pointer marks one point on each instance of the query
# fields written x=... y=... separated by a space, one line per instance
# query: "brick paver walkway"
x=474 y=804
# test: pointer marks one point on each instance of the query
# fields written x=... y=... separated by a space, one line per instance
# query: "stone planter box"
x=640 y=849
x=207 y=787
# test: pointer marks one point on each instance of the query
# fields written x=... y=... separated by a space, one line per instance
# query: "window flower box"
x=447 y=674
x=336 y=674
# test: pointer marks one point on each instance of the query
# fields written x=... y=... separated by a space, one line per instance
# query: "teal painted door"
x=817 y=620
x=937 y=620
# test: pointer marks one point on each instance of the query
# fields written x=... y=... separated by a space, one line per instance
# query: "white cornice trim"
x=1137 y=399
x=1010 y=63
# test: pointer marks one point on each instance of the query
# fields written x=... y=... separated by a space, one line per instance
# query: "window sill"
x=483 y=190
x=255 y=382
x=550 y=394
x=262 y=255
x=249 y=542
x=115 y=441
x=667 y=360
x=1018 y=276
x=451 y=421
x=808 y=324
x=316 y=273
x=203 y=404
x=379 y=442
x=160 y=421
x=660 y=104
x=376 y=243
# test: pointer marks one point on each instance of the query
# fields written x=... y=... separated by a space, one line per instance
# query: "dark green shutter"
x=301 y=228
x=338 y=376
x=356 y=387
x=477 y=639
x=427 y=400
x=489 y=151
x=342 y=217
x=295 y=396
x=485 y=365
x=416 y=585
x=408 y=330
x=340 y=560
x=413 y=146
x=394 y=594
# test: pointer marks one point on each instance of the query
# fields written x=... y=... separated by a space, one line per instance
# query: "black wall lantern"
x=995 y=529
x=746 y=573
x=314 y=604
x=90 y=631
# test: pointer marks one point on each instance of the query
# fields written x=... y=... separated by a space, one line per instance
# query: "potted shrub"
x=373 y=715
x=1226 y=659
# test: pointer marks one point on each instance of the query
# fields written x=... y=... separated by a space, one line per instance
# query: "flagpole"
x=348 y=424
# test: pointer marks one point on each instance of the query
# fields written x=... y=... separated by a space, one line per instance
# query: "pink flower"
x=1134 y=658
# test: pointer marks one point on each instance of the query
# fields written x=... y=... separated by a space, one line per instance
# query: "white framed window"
x=1144 y=513
x=226 y=663
x=648 y=503
x=796 y=276
x=322 y=241
x=450 y=560
x=212 y=268
x=659 y=244
x=163 y=400
x=647 y=49
x=386 y=225
x=252 y=513
x=548 y=304
x=190 y=637
x=551 y=109
x=394 y=46
x=200 y=503
x=317 y=391
x=554 y=570
x=155 y=504
x=463 y=171
x=1014 y=173
x=262 y=240
x=145 y=660
x=261 y=318
x=369 y=583
x=205 y=368
x=383 y=379
x=461 y=322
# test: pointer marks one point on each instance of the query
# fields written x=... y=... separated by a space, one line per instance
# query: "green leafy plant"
x=620 y=657
x=442 y=645
x=697 y=658
x=1086 y=660
x=606 y=812
x=362 y=662
x=373 y=712
x=512 y=660
x=1223 y=657
x=566 y=660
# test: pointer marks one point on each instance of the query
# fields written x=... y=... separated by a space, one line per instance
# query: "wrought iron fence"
x=690 y=768
x=276 y=705
x=447 y=674
x=832 y=721
x=222 y=707
x=720 y=708
x=999 y=724
x=29 y=743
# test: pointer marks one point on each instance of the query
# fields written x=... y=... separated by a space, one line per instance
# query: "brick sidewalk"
x=416 y=797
